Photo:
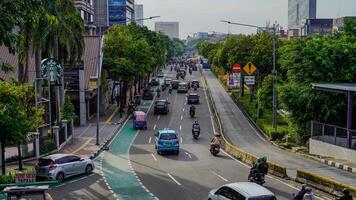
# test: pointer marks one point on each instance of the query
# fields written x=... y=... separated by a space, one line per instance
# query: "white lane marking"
x=158 y=116
x=188 y=154
x=183 y=109
x=154 y=157
x=181 y=140
x=224 y=179
x=154 y=127
x=149 y=140
x=180 y=127
x=181 y=117
x=185 y=103
x=170 y=176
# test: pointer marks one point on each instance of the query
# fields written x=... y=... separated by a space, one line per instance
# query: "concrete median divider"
x=322 y=183
x=234 y=151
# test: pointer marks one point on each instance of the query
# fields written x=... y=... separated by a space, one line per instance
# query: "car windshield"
x=44 y=162
x=168 y=136
x=193 y=96
x=160 y=103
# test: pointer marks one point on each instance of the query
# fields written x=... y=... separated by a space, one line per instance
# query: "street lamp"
x=274 y=106
x=100 y=56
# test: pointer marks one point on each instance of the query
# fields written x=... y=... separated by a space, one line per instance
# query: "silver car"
x=241 y=191
x=60 y=166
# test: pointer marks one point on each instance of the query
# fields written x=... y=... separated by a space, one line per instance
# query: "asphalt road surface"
x=194 y=172
x=239 y=131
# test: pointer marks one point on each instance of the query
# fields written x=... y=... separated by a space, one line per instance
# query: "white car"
x=241 y=191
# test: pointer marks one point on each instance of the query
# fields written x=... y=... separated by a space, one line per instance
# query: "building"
x=139 y=14
x=298 y=12
x=101 y=15
x=86 y=10
x=171 y=29
x=317 y=27
x=121 y=11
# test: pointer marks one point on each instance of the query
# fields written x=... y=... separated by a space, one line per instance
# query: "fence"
x=335 y=135
x=62 y=135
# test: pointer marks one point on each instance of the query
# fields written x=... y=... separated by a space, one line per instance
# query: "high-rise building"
x=139 y=14
x=298 y=12
x=101 y=15
x=171 y=29
x=86 y=10
x=121 y=11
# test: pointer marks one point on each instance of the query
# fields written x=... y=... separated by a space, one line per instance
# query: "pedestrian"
x=346 y=195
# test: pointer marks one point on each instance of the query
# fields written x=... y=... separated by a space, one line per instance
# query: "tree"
x=18 y=116
x=316 y=60
x=68 y=109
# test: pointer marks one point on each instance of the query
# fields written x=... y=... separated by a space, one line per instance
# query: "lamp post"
x=100 y=56
x=274 y=73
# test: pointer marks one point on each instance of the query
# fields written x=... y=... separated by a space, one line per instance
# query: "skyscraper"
x=298 y=12
x=171 y=29
x=139 y=14
x=121 y=11
x=86 y=10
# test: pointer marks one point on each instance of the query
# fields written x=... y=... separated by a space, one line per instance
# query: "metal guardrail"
x=335 y=135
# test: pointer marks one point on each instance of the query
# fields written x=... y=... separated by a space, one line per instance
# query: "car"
x=167 y=141
x=154 y=82
x=182 y=88
x=241 y=190
x=167 y=81
x=161 y=107
x=147 y=94
x=60 y=166
x=193 y=98
x=175 y=84
x=195 y=82
x=160 y=74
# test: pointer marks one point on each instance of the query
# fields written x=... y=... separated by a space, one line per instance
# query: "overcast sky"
x=205 y=15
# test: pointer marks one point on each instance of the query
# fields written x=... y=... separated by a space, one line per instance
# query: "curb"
x=339 y=165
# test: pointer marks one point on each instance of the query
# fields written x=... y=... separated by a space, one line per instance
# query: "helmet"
x=304 y=186
x=264 y=158
x=346 y=191
x=308 y=189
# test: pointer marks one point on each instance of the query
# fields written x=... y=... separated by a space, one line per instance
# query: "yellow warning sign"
x=250 y=68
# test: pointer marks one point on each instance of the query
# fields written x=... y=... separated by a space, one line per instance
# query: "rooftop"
x=335 y=87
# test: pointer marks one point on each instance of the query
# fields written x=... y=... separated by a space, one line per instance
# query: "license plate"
x=167 y=144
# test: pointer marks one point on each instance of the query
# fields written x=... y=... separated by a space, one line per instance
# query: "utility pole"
x=98 y=89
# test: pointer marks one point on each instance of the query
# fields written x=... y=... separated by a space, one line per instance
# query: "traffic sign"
x=250 y=68
x=236 y=68
x=250 y=80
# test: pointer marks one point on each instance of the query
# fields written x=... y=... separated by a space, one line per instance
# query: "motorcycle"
x=196 y=133
x=258 y=178
x=192 y=113
x=195 y=87
x=170 y=90
x=214 y=149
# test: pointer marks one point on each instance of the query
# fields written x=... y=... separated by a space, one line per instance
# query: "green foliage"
x=68 y=109
x=264 y=93
x=316 y=60
x=47 y=147
x=350 y=26
x=8 y=178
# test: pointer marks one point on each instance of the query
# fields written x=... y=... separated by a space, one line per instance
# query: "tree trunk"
x=3 y=167
x=20 y=156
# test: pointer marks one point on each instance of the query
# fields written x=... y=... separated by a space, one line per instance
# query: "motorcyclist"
x=300 y=194
x=158 y=92
x=130 y=108
x=192 y=110
x=170 y=89
x=190 y=71
x=308 y=194
x=215 y=143
x=196 y=125
x=346 y=195
x=260 y=167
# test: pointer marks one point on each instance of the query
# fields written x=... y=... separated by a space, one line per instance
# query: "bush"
x=48 y=147
x=8 y=178
x=277 y=135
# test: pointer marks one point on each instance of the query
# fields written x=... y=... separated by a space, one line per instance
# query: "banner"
x=233 y=80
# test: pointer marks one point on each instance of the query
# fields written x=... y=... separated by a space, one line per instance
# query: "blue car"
x=167 y=141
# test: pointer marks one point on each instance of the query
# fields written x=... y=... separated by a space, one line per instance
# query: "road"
x=194 y=172
x=239 y=131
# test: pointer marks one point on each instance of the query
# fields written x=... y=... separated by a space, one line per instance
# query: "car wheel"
x=159 y=152
x=88 y=169
x=60 y=177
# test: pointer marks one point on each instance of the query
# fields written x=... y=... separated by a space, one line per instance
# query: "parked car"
x=60 y=166
x=241 y=190
x=193 y=98
x=167 y=141
x=161 y=107
x=175 y=84
x=147 y=94
x=182 y=88
x=154 y=82
x=167 y=81
x=195 y=82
